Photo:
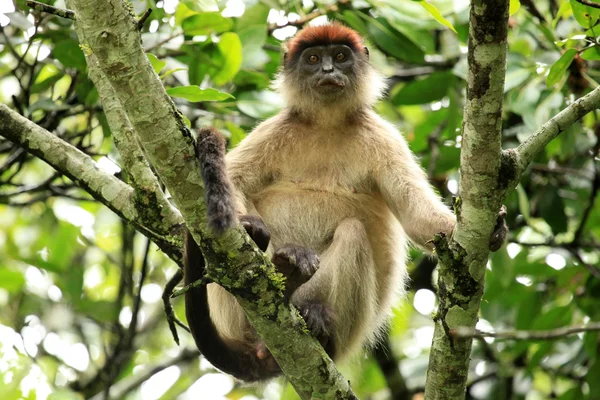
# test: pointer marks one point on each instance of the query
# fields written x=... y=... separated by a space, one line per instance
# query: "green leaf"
x=432 y=88
x=514 y=6
x=64 y=394
x=393 y=42
x=237 y=134
x=560 y=66
x=102 y=310
x=69 y=54
x=523 y=202
x=182 y=12
x=354 y=21
x=48 y=76
x=202 y=5
x=253 y=39
x=195 y=94
x=206 y=23
x=591 y=54
x=566 y=6
x=435 y=13
x=230 y=47
x=259 y=105
x=586 y=16
x=11 y=281
x=252 y=17
x=157 y=64
x=593 y=378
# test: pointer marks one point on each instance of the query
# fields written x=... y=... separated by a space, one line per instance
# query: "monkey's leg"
x=339 y=302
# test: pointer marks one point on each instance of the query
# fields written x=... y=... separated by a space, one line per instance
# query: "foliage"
x=71 y=273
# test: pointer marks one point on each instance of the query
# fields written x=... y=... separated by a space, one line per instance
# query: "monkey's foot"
x=297 y=264
x=500 y=231
x=320 y=319
x=266 y=358
x=257 y=230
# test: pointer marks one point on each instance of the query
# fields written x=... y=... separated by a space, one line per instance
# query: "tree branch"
x=552 y=334
x=135 y=163
x=50 y=10
x=524 y=154
x=588 y=3
x=462 y=257
x=81 y=169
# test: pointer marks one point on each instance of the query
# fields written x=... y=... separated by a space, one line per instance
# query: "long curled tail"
x=237 y=359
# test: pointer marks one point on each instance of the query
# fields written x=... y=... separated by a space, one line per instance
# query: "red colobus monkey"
x=331 y=191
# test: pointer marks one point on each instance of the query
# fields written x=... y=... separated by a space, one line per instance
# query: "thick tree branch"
x=110 y=32
x=134 y=161
x=81 y=169
x=462 y=257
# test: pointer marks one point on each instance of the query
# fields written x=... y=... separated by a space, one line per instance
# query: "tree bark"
x=464 y=255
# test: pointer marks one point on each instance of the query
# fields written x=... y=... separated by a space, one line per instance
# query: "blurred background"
x=81 y=314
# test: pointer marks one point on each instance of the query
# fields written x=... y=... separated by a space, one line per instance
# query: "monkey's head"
x=328 y=65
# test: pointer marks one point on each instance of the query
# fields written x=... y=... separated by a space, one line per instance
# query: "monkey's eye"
x=313 y=59
x=340 y=57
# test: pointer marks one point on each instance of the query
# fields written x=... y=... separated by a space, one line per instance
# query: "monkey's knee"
x=350 y=229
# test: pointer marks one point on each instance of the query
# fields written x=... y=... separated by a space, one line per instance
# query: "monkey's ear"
x=285 y=55
x=366 y=51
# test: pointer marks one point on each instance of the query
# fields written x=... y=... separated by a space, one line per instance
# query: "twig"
x=187 y=288
x=166 y=296
x=166 y=40
x=527 y=150
x=143 y=19
x=530 y=6
x=588 y=3
x=186 y=355
x=528 y=335
x=69 y=14
x=308 y=17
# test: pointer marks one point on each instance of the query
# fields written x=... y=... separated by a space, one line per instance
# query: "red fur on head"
x=323 y=35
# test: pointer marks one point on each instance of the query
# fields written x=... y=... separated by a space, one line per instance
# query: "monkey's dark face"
x=327 y=71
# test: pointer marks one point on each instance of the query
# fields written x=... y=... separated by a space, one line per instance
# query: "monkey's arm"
x=249 y=169
x=409 y=195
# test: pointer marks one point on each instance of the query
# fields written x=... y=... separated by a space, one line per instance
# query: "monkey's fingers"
x=257 y=230
x=500 y=231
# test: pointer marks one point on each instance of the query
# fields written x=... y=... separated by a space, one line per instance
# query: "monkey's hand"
x=500 y=231
x=257 y=230
x=297 y=264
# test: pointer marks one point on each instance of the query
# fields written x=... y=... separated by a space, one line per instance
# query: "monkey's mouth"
x=331 y=83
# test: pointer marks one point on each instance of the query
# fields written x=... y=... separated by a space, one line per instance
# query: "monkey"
x=330 y=191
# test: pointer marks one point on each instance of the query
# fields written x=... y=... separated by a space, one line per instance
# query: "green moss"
x=87 y=50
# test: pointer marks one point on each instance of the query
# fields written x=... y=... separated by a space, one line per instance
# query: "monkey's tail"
x=237 y=359
x=220 y=205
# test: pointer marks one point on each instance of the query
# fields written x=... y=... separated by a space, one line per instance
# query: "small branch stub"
x=143 y=19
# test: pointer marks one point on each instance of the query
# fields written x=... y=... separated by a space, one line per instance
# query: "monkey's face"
x=328 y=72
